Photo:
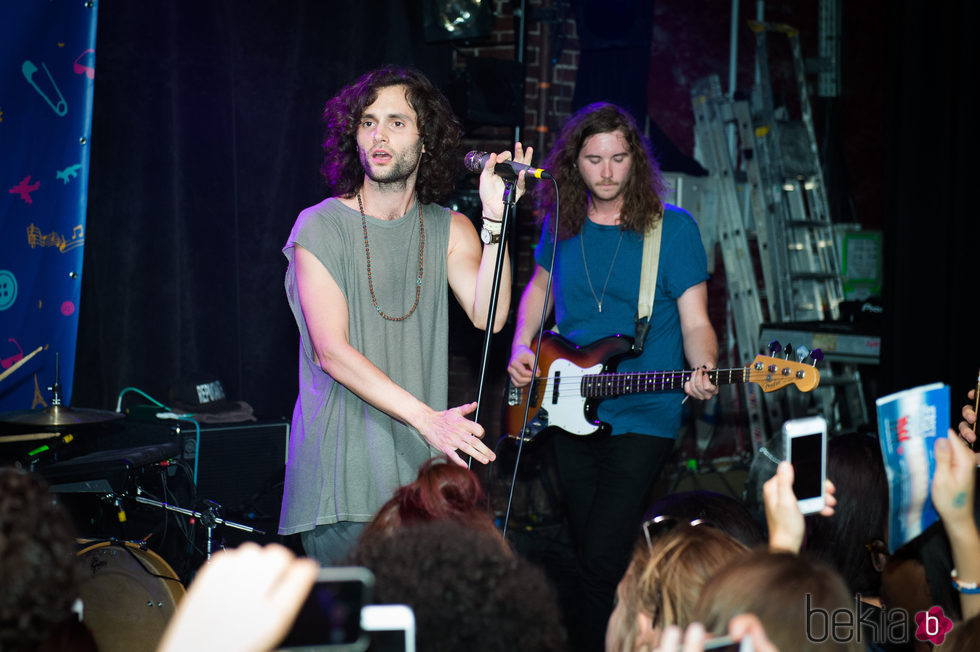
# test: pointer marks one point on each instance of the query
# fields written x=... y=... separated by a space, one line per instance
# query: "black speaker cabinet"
x=239 y=466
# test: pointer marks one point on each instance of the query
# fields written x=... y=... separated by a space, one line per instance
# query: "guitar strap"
x=648 y=283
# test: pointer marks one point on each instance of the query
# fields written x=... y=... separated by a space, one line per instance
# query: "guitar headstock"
x=771 y=374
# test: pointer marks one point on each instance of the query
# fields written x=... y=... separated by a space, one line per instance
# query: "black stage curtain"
x=931 y=222
x=205 y=146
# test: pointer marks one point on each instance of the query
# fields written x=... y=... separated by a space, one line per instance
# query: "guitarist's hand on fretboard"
x=699 y=386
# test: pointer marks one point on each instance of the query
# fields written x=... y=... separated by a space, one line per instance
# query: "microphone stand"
x=210 y=519
x=509 y=204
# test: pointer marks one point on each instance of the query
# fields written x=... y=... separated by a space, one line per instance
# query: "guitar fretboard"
x=616 y=384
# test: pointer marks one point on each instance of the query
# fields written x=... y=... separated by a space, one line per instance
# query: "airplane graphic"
x=70 y=172
x=25 y=188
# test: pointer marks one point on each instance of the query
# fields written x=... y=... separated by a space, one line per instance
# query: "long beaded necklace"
x=367 y=252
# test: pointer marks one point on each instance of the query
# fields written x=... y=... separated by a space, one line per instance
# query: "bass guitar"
x=575 y=379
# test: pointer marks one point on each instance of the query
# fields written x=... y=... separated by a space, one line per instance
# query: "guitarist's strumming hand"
x=520 y=366
x=699 y=384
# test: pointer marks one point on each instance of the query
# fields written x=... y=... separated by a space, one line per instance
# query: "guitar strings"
x=749 y=373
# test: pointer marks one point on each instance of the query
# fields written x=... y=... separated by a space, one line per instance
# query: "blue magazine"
x=908 y=424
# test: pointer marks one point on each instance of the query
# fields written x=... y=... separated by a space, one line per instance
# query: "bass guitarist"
x=611 y=193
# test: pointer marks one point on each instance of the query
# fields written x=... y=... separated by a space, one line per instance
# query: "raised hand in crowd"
x=744 y=629
x=244 y=600
x=953 y=488
x=967 y=427
x=783 y=515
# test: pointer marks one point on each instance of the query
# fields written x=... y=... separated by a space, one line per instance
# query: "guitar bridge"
x=513 y=395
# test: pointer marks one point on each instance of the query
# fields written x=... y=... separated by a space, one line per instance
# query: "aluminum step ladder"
x=797 y=230
x=712 y=116
x=796 y=235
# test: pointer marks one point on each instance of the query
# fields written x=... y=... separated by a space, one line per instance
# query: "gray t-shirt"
x=346 y=458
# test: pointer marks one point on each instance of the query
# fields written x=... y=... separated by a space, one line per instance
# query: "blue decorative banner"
x=47 y=73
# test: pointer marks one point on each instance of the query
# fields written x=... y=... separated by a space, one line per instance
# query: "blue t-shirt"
x=683 y=264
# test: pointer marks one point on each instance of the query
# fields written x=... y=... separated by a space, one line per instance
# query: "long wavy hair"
x=439 y=129
x=664 y=579
x=644 y=190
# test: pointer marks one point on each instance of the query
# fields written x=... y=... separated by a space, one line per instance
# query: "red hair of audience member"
x=441 y=492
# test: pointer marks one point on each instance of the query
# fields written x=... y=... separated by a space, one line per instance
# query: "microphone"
x=476 y=161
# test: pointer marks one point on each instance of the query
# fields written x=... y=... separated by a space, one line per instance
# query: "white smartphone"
x=330 y=618
x=806 y=449
x=391 y=627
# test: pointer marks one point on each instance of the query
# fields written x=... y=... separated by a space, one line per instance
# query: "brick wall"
x=549 y=87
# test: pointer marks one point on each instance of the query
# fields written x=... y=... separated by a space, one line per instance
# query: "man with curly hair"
x=611 y=194
x=368 y=282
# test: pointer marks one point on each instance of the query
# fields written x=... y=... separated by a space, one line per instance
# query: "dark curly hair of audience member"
x=854 y=464
x=439 y=129
x=645 y=187
x=37 y=562
x=469 y=593
x=723 y=512
x=442 y=491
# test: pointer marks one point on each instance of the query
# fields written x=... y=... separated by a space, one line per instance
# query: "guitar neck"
x=616 y=384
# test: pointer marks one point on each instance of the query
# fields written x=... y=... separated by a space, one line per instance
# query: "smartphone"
x=391 y=627
x=728 y=644
x=806 y=449
x=330 y=618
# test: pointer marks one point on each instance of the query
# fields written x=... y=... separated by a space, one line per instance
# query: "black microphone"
x=475 y=162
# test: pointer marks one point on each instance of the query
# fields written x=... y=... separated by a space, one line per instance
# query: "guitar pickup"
x=555 y=388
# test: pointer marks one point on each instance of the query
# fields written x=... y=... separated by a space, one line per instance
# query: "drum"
x=129 y=595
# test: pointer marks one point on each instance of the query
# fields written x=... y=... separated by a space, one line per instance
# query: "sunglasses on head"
x=659 y=525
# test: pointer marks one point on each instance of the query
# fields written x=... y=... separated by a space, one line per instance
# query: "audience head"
x=442 y=492
x=722 y=512
x=851 y=539
x=37 y=563
x=663 y=581
x=783 y=590
x=916 y=575
x=469 y=593
x=964 y=637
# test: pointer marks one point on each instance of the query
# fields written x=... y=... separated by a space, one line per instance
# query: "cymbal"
x=60 y=415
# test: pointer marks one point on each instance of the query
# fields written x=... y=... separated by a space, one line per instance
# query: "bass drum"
x=129 y=595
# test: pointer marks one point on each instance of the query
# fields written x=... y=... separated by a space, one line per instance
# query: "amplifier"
x=239 y=466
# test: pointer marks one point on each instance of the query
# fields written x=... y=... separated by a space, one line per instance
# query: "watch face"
x=486 y=236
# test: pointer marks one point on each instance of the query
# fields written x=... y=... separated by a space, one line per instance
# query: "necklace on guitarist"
x=367 y=252
x=585 y=264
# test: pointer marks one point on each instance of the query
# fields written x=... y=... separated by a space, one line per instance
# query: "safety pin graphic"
x=28 y=68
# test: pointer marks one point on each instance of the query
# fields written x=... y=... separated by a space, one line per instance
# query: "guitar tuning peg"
x=801 y=353
x=774 y=348
x=816 y=355
x=788 y=350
